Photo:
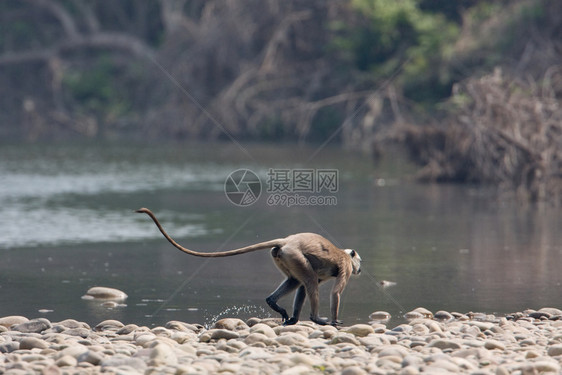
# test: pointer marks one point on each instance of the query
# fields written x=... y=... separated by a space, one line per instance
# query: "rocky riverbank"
x=522 y=343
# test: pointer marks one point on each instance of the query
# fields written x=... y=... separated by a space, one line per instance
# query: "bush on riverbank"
x=506 y=132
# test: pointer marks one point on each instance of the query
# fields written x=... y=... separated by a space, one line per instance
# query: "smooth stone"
x=75 y=351
x=217 y=334
x=66 y=361
x=443 y=315
x=143 y=338
x=129 y=328
x=80 y=332
x=353 y=370
x=409 y=370
x=303 y=359
x=441 y=364
x=9 y=346
x=344 y=338
x=291 y=338
x=551 y=311
x=255 y=353
x=425 y=312
x=380 y=316
x=297 y=370
x=9 y=321
x=33 y=326
x=411 y=315
x=393 y=350
x=360 y=330
x=532 y=354
x=90 y=357
x=494 y=344
x=432 y=326
x=299 y=328
x=122 y=361
x=33 y=342
x=388 y=363
x=444 y=344
x=482 y=326
x=161 y=331
x=547 y=366
x=539 y=315
x=263 y=329
x=71 y=323
x=110 y=324
x=554 y=350
x=402 y=328
x=420 y=329
x=258 y=338
x=231 y=324
x=320 y=334
x=411 y=360
x=238 y=345
x=105 y=293
x=162 y=354
x=540 y=367
x=183 y=327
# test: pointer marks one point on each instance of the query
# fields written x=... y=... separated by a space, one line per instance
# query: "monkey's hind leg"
x=300 y=296
x=285 y=288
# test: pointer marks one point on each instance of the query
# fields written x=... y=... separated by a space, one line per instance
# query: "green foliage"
x=98 y=90
x=397 y=36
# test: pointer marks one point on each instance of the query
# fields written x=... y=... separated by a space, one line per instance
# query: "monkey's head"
x=355 y=261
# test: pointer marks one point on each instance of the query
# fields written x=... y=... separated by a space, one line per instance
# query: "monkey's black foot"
x=273 y=304
x=336 y=323
x=320 y=321
x=290 y=322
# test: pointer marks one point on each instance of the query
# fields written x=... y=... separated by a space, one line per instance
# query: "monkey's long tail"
x=242 y=250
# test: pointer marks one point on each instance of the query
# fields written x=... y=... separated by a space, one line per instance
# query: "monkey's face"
x=355 y=261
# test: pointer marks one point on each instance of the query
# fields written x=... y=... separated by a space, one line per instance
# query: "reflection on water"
x=67 y=224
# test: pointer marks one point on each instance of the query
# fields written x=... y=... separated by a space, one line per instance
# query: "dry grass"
x=506 y=131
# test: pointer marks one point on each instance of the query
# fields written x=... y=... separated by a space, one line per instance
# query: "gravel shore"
x=524 y=343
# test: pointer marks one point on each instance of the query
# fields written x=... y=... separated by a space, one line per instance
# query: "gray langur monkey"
x=307 y=259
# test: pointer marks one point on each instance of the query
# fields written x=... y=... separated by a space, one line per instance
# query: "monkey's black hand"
x=320 y=321
x=290 y=322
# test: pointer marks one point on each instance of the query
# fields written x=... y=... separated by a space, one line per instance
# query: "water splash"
x=241 y=312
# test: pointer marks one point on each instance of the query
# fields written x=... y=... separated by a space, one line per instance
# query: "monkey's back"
x=324 y=257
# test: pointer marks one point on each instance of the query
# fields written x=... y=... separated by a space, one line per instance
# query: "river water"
x=67 y=223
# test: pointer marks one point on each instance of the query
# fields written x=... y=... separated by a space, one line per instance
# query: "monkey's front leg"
x=337 y=289
x=313 y=295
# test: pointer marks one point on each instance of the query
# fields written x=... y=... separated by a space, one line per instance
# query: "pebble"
x=32 y=326
x=555 y=350
x=231 y=324
x=28 y=343
x=381 y=316
x=443 y=315
x=360 y=330
x=9 y=321
x=528 y=342
x=105 y=293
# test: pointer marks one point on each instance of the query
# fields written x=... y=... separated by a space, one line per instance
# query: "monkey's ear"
x=351 y=252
